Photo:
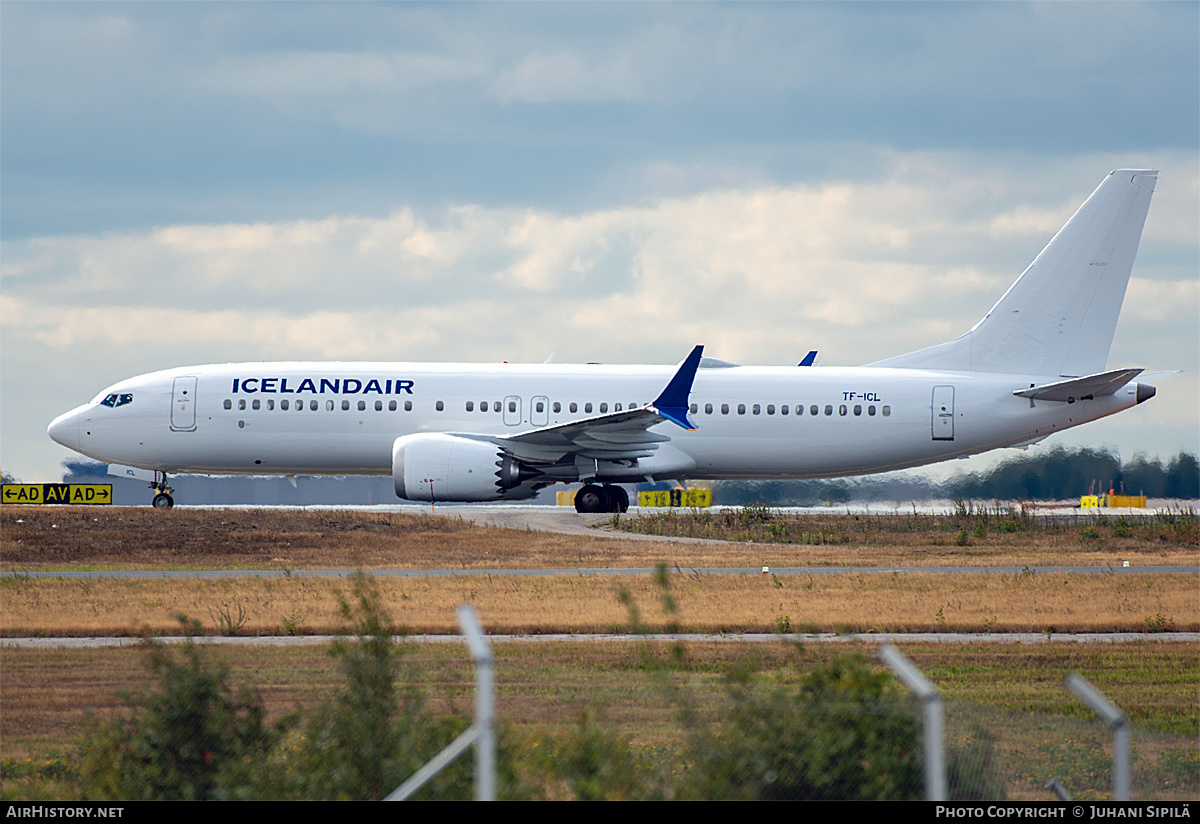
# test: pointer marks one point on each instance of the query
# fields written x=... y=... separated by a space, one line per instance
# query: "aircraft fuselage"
x=342 y=418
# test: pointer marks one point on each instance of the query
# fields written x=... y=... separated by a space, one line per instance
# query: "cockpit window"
x=117 y=400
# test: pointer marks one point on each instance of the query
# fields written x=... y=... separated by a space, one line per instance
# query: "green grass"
x=1014 y=694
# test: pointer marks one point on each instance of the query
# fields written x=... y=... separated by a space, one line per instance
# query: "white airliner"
x=1034 y=365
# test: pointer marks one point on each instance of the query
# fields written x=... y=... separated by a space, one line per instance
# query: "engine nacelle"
x=430 y=467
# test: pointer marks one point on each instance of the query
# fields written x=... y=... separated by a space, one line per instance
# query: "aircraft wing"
x=1104 y=383
x=616 y=436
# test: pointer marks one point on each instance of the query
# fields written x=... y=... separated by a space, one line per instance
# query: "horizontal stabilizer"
x=1085 y=388
x=1151 y=377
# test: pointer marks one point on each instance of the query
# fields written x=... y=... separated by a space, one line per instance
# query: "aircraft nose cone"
x=65 y=429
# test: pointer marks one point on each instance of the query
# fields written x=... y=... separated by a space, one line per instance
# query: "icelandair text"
x=336 y=386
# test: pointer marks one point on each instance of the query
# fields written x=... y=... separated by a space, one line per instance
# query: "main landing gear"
x=607 y=498
x=162 y=497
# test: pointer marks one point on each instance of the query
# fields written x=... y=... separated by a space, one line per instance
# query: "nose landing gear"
x=162 y=497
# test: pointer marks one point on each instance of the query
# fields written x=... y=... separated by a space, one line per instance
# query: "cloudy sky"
x=204 y=182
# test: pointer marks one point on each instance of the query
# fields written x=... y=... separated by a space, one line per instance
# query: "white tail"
x=1060 y=315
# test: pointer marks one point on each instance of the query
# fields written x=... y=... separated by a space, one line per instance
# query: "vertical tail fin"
x=1060 y=315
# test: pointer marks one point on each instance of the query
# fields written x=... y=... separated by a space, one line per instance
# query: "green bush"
x=376 y=731
x=845 y=734
x=191 y=738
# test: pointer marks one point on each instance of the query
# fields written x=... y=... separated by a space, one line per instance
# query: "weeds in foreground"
x=838 y=729
x=965 y=521
x=192 y=738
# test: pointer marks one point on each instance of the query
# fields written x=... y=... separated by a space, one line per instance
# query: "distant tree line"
x=1055 y=474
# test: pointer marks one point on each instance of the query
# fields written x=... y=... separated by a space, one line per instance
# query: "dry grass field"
x=857 y=602
x=48 y=696
x=35 y=538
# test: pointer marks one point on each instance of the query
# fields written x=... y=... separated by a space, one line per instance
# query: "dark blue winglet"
x=672 y=404
x=809 y=359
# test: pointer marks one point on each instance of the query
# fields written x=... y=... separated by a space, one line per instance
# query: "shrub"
x=191 y=738
x=845 y=734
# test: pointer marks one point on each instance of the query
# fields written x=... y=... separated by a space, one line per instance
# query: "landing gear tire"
x=162 y=497
x=592 y=499
x=618 y=498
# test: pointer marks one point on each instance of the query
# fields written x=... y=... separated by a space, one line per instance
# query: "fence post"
x=482 y=733
x=931 y=702
x=1117 y=720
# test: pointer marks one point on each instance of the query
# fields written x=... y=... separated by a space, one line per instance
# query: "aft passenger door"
x=183 y=405
x=943 y=413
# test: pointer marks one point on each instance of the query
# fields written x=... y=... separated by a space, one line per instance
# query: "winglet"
x=809 y=359
x=672 y=403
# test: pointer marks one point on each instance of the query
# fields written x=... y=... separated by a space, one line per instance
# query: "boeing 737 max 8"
x=1034 y=365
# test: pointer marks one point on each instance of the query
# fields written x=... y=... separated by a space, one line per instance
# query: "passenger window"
x=312 y=406
x=708 y=409
x=617 y=407
x=587 y=407
x=345 y=406
x=470 y=406
x=871 y=410
x=439 y=406
x=228 y=403
x=574 y=407
x=741 y=409
x=887 y=410
x=362 y=405
x=756 y=409
x=603 y=408
x=392 y=406
x=282 y=405
x=557 y=406
x=857 y=409
x=783 y=410
x=770 y=409
x=541 y=406
x=812 y=410
x=328 y=406
x=242 y=403
x=378 y=406
x=828 y=409
x=693 y=408
x=495 y=406
x=407 y=406
x=512 y=406
x=724 y=409
x=256 y=404
x=842 y=409
x=270 y=404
